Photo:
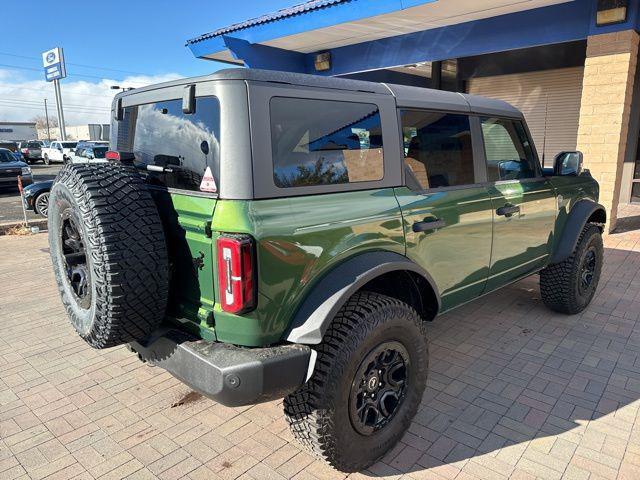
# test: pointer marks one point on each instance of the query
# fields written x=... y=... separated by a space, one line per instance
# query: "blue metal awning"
x=269 y=17
x=363 y=35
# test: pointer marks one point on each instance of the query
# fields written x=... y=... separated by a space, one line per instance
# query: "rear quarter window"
x=160 y=134
x=325 y=142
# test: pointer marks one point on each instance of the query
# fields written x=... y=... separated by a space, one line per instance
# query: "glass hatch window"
x=99 y=152
x=69 y=144
x=160 y=134
x=325 y=142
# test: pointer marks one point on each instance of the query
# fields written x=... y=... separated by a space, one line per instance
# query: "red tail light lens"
x=111 y=155
x=236 y=273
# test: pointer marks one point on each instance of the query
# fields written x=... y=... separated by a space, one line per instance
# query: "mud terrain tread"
x=308 y=410
x=557 y=282
x=128 y=251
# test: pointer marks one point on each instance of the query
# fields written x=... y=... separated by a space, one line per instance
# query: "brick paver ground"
x=515 y=391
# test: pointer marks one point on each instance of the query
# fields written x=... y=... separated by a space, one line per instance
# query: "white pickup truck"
x=58 y=151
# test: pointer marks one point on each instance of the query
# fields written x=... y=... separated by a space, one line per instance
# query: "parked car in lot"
x=11 y=169
x=91 y=143
x=13 y=147
x=31 y=151
x=58 y=151
x=36 y=197
x=89 y=154
x=264 y=235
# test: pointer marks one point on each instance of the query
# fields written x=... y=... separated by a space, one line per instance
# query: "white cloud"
x=84 y=101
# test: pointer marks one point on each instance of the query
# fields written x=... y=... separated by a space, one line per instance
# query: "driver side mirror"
x=568 y=163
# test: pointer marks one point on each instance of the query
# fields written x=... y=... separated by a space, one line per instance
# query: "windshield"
x=6 y=156
x=100 y=152
x=69 y=144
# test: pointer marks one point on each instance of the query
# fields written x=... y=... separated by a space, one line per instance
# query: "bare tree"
x=41 y=121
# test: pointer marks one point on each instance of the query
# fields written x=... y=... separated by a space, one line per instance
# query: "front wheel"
x=41 y=204
x=370 y=373
x=569 y=286
x=46 y=159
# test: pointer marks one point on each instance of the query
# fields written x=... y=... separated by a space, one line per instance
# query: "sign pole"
x=63 y=130
x=54 y=70
x=46 y=114
x=24 y=210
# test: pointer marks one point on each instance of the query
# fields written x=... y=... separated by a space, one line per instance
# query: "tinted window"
x=438 y=148
x=33 y=145
x=160 y=134
x=6 y=156
x=69 y=144
x=99 y=152
x=508 y=150
x=323 y=142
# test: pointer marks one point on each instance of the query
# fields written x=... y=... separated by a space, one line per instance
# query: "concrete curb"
x=5 y=227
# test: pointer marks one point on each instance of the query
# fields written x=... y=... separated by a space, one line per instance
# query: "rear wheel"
x=569 y=286
x=109 y=254
x=370 y=373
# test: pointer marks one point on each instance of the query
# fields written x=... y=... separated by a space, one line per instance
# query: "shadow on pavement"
x=507 y=372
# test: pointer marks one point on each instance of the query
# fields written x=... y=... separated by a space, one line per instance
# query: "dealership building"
x=570 y=65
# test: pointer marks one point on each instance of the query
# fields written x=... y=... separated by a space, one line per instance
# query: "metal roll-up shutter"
x=549 y=100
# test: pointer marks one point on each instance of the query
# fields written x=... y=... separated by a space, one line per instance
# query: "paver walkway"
x=515 y=391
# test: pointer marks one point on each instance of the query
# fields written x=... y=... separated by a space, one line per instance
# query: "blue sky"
x=138 y=40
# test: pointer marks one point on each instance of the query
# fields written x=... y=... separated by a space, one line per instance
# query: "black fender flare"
x=576 y=220
x=329 y=295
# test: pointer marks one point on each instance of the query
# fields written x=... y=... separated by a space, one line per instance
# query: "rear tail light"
x=236 y=273
x=111 y=155
x=116 y=156
x=25 y=150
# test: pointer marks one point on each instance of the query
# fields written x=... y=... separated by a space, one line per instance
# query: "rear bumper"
x=228 y=374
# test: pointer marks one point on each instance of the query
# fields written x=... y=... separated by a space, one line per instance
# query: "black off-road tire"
x=319 y=412
x=119 y=294
x=561 y=284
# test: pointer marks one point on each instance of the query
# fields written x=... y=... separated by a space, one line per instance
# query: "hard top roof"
x=406 y=96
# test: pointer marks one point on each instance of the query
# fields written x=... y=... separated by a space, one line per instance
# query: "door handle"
x=508 y=210
x=428 y=225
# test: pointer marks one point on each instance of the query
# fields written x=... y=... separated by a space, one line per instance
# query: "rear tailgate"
x=187 y=226
x=178 y=153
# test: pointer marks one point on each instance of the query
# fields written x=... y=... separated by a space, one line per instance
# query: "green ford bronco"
x=265 y=235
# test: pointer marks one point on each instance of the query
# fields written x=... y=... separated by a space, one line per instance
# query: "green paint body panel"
x=522 y=242
x=299 y=239
x=187 y=221
x=468 y=215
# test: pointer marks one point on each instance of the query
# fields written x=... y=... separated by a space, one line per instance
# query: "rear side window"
x=325 y=142
x=508 y=150
x=438 y=148
x=159 y=134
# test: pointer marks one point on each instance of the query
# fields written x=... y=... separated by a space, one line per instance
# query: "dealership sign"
x=53 y=62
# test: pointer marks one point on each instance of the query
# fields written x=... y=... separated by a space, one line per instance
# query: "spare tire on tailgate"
x=109 y=253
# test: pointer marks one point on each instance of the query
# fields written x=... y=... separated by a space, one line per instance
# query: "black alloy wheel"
x=379 y=387
x=41 y=204
x=78 y=273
